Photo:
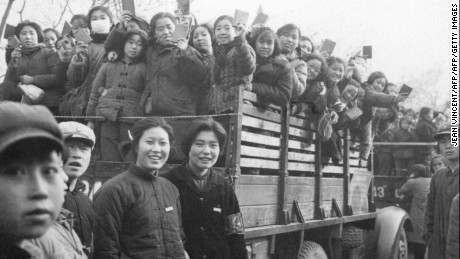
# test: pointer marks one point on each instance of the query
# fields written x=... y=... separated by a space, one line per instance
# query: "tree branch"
x=22 y=10
x=62 y=15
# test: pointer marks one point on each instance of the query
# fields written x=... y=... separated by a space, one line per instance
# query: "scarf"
x=99 y=38
x=30 y=51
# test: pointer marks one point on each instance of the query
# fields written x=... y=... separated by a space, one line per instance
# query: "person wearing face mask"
x=374 y=97
x=34 y=64
x=234 y=66
x=174 y=69
x=289 y=36
x=85 y=64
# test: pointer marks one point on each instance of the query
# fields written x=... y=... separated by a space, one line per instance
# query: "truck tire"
x=311 y=250
x=352 y=237
x=402 y=248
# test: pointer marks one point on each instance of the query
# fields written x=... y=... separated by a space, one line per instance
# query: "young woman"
x=425 y=130
x=51 y=36
x=32 y=64
x=417 y=187
x=201 y=40
x=315 y=88
x=116 y=93
x=438 y=162
x=272 y=80
x=138 y=214
x=234 y=66
x=173 y=70
x=79 y=21
x=86 y=63
x=289 y=36
x=306 y=45
x=211 y=215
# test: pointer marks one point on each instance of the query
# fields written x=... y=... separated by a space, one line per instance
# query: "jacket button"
x=201 y=199
x=202 y=228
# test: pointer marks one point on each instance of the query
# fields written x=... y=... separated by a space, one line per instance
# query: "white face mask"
x=100 y=26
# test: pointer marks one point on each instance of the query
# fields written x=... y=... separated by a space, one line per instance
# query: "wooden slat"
x=307 y=134
x=294 y=144
x=258 y=179
x=258 y=195
x=301 y=157
x=302 y=123
x=304 y=167
x=250 y=96
x=259 y=163
x=261 y=124
x=260 y=113
x=260 y=139
x=259 y=152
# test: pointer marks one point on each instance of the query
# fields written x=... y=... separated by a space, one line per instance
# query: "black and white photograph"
x=229 y=129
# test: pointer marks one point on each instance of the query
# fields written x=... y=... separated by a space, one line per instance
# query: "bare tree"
x=5 y=16
x=22 y=10
x=62 y=15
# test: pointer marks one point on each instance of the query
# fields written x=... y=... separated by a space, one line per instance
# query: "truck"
x=297 y=206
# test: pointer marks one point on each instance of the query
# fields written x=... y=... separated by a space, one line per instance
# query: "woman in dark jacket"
x=425 y=130
x=289 y=36
x=201 y=40
x=273 y=78
x=211 y=215
x=138 y=214
x=173 y=69
x=32 y=64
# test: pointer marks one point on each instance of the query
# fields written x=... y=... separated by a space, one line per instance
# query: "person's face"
x=153 y=149
x=133 y=47
x=99 y=15
x=437 y=163
x=204 y=151
x=392 y=90
x=79 y=158
x=335 y=72
x=202 y=40
x=31 y=196
x=306 y=46
x=447 y=149
x=50 y=39
x=28 y=37
x=265 y=45
x=163 y=31
x=289 y=41
x=405 y=125
x=348 y=94
x=225 y=32
x=379 y=84
x=313 y=69
x=429 y=115
x=79 y=24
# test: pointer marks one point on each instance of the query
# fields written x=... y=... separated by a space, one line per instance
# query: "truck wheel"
x=311 y=250
x=352 y=237
x=402 y=248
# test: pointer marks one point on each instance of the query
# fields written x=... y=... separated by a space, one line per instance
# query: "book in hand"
x=67 y=29
x=82 y=36
x=261 y=18
x=241 y=17
x=14 y=42
x=367 y=52
x=9 y=31
x=128 y=5
x=184 y=6
x=405 y=90
x=180 y=32
x=353 y=113
x=327 y=47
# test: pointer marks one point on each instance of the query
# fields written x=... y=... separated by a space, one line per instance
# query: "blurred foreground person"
x=443 y=188
x=31 y=179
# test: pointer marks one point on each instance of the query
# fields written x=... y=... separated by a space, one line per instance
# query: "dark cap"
x=443 y=130
x=21 y=121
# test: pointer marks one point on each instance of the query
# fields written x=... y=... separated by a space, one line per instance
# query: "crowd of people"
x=134 y=69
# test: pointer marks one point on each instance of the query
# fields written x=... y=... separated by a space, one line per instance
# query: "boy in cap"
x=79 y=140
x=443 y=188
x=31 y=180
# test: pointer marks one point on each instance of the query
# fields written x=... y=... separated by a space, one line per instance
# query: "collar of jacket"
x=79 y=187
x=213 y=180
x=30 y=51
x=142 y=173
x=134 y=62
x=292 y=56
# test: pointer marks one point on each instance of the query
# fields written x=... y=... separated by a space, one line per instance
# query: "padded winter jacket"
x=138 y=216
x=301 y=74
x=212 y=219
x=273 y=80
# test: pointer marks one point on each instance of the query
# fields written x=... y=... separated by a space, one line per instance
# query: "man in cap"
x=79 y=140
x=31 y=180
x=443 y=188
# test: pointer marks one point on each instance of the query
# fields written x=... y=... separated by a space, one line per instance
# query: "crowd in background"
x=135 y=68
